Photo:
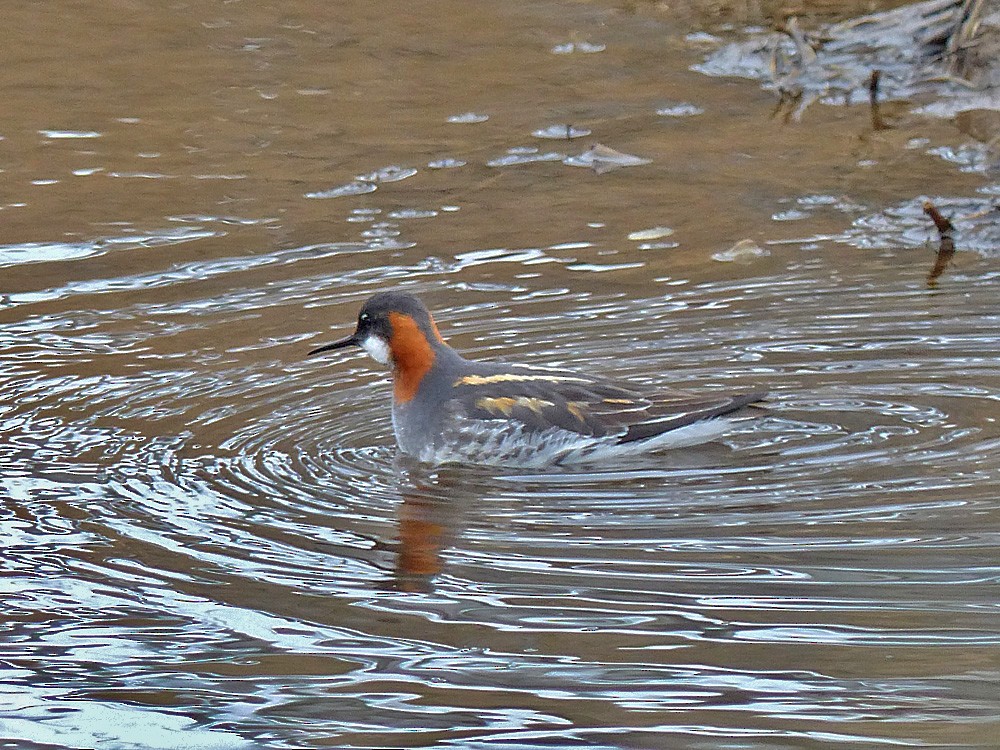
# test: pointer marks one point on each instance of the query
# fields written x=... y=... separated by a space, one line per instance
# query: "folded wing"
x=542 y=399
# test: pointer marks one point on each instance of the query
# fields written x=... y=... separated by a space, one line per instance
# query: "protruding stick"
x=943 y=225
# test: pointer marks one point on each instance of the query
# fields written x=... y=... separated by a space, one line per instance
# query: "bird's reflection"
x=423 y=532
x=432 y=505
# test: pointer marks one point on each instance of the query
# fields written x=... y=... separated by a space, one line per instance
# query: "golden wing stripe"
x=510 y=377
x=505 y=405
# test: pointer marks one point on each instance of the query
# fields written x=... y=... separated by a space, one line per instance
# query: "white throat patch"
x=377 y=348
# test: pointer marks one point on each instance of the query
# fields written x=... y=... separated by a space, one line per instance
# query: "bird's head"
x=394 y=328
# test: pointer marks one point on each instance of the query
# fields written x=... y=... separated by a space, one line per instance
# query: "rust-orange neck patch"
x=412 y=355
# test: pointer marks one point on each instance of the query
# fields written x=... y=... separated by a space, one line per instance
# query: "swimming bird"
x=446 y=408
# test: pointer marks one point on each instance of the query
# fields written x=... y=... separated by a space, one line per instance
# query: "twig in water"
x=873 y=86
x=941 y=223
x=946 y=247
x=877 y=122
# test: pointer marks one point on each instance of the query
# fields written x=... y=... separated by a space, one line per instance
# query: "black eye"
x=364 y=318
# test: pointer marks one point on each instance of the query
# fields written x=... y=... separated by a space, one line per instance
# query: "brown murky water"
x=208 y=540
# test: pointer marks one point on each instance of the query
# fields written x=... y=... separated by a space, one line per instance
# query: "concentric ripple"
x=223 y=508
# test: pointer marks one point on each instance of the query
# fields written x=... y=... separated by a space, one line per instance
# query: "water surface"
x=209 y=540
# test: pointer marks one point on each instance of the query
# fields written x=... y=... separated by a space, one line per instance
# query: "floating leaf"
x=655 y=233
x=447 y=163
x=681 y=109
x=743 y=251
x=524 y=155
x=561 y=132
x=603 y=159
x=468 y=118
x=387 y=174
x=585 y=47
x=351 y=188
x=412 y=213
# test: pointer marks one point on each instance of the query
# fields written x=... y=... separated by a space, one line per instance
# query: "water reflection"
x=430 y=508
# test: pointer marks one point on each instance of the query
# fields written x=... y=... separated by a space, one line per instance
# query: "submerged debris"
x=947 y=50
x=973 y=49
x=974 y=225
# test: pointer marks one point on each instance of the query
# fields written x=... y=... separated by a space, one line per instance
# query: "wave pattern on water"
x=217 y=524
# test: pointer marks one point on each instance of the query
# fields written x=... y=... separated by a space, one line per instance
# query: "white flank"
x=377 y=348
x=501 y=443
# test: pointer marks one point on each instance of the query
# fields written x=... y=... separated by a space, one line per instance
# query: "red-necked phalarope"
x=446 y=408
